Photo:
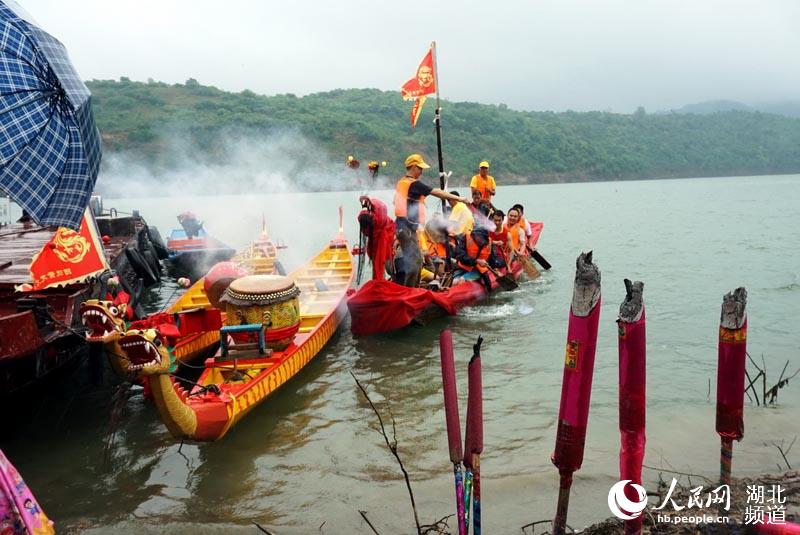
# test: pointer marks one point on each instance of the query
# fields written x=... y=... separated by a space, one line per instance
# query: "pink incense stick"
x=452 y=420
x=732 y=353
x=474 y=434
x=576 y=386
x=632 y=398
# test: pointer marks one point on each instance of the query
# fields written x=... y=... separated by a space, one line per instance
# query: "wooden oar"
x=473 y=440
x=506 y=281
x=528 y=267
x=539 y=258
x=730 y=377
x=452 y=420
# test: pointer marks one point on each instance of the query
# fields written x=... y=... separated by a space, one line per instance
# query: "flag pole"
x=437 y=120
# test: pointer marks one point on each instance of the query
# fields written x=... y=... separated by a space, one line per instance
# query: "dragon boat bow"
x=190 y=326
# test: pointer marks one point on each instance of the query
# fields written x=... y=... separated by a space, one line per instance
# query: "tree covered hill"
x=143 y=120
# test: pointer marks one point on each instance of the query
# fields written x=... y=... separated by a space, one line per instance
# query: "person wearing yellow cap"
x=483 y=182
x=409 y=212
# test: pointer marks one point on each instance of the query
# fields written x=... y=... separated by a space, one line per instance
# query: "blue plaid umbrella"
x=49 y=144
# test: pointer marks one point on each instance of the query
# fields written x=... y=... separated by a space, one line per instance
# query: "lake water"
x=311 y=455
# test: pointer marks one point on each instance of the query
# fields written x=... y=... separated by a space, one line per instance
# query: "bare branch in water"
x=364 y=516
x=393 y=449
x=768 y=396
x=672 y=471
x=773 y=392
x=785 y=453
x=256 y=524
x=533 y=525
x=440 y=527
x=750 y=386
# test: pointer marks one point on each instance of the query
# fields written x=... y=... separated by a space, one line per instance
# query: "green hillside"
x=143 y=120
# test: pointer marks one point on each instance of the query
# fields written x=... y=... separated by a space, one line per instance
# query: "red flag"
x=422 y=84
x=69 y=256
x=416 y=109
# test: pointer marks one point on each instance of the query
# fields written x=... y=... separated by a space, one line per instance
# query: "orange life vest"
x=401 y=200
x=514 y=232
x=482 y=185
x=437 y=249
x=476 y=252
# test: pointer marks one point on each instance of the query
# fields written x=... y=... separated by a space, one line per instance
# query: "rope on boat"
x=361 y=261
x=203 y=388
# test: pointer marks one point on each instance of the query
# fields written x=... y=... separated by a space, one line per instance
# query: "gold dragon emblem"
x=70 y=246
x=425 y=76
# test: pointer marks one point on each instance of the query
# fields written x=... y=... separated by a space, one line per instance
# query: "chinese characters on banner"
x=69 y=256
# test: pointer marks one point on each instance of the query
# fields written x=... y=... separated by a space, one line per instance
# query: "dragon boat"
x=192 y=250
x=274 y=326
x=190 y=326
x=381 y=306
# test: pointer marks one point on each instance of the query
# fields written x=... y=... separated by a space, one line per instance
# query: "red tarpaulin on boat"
x=383 y=306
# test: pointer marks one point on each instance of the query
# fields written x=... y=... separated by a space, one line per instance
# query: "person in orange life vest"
x=433 y=246
x=409 y=211
x=522 y=221
x=483 y=182
x=516 y=235
x=501 y=242
x=472 y=254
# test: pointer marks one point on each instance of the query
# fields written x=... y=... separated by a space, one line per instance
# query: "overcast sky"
x=532 y=55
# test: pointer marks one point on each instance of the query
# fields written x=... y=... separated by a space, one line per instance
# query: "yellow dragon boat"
x=274 y=327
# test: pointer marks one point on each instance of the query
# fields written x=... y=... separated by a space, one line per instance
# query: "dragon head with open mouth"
x=104 y=320
x=146 y=352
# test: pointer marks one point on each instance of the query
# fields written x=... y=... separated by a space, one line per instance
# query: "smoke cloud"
x=240 y=163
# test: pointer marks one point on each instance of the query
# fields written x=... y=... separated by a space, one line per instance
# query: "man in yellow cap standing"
x=409 y=212
x=483 y=182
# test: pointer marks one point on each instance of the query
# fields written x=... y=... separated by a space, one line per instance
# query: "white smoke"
x=277 y=162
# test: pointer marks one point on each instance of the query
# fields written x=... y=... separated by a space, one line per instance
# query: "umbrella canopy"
x=49 y=144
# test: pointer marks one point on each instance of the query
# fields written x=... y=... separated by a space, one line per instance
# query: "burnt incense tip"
x=476 y=347
x=631 y=308
x=586 y=293
x=733 y=309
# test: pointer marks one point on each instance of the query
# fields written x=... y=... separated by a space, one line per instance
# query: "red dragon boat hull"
x=381 y=306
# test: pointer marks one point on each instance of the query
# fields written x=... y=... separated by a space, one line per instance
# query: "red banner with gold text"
x=69 y=256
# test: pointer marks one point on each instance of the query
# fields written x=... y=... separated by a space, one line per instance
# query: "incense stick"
x=452 y=420
x=576 y=386
x=632 y=395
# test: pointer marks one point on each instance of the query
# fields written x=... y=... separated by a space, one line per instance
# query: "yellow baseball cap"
x=484 y=163
x=416 y=159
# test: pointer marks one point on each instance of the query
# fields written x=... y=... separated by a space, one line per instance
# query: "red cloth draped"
x=379 y=245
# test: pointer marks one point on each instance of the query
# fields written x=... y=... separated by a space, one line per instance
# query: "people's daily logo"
x=622 y=507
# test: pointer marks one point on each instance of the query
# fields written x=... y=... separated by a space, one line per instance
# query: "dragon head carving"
x=104 y=320
x=146 y=352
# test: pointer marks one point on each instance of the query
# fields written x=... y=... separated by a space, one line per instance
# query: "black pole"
x=437 y=119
